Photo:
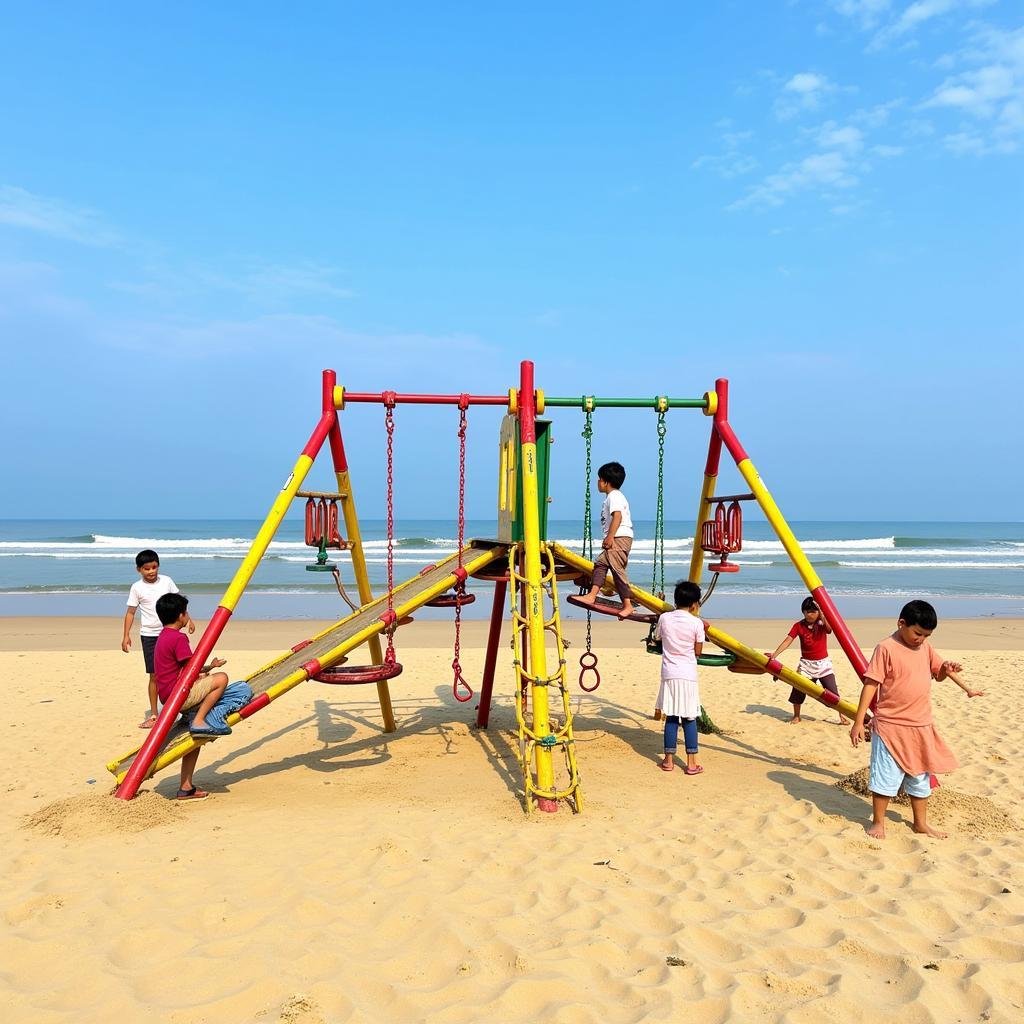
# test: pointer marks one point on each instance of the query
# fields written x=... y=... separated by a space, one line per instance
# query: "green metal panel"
x=543 y=481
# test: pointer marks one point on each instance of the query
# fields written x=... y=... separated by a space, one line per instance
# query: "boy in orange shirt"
x=906 y=749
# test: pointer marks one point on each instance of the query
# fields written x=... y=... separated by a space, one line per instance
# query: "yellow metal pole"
x=534 y=591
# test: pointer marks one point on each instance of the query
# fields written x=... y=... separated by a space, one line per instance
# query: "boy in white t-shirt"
x=617 y=527
x=143 y=596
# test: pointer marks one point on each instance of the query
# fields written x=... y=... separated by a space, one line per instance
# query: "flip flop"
x=148 y=722
x=192 y=794
x=695 y=770
x=210 y=730
x=667 y=767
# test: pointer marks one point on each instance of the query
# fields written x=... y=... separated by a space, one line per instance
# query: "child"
x=682 y=639
x=144 y=595
x=814 y=660
x=905 y=747
x=210 y=696
x=617 y=527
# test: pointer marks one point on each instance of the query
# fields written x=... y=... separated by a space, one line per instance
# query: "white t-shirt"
x=143 y=596
x=678 y=631
x=615 y=501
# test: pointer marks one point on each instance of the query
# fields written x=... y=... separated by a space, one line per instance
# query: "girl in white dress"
x=681 y=633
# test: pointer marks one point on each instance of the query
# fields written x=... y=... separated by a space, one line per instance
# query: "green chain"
x=658 y=574
x=588 y=539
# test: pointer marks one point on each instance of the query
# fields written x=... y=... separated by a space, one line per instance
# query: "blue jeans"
x=234 y=698
x=672 y=734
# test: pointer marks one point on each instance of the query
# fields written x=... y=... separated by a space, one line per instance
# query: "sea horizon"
x=84 y=566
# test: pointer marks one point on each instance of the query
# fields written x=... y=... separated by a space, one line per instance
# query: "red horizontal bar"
x=369 y=396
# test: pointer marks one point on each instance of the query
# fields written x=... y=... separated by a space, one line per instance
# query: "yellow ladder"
x=561 y=735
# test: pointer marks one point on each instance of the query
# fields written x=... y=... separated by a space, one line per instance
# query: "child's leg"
x=218 y=682
x=919 y=789
x=153 y=707
x=598 y=578
x=829 y=682
x=690 y=739
x=879 y=805
x=796 y=698
x=187 y=788
x=618 y=561
x=885 y=781
x=671 y=741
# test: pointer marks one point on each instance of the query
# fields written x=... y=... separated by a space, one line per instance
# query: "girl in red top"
x=815 y=663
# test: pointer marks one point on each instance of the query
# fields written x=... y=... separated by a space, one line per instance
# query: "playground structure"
x=524 y=566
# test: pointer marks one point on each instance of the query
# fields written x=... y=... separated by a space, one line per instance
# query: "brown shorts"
x=615 y=558
x=200 y=691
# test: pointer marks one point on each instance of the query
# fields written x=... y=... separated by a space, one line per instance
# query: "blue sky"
x=203 y=205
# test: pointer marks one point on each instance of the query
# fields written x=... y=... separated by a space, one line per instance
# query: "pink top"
x=678 y=632
x=170 y=656
x=903 y=712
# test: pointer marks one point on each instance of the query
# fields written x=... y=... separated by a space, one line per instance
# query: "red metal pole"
x=491 y=657
x=841 y=630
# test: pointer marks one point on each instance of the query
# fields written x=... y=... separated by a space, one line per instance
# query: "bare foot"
x=627 y=610
x=927 y=830
x=877 y=831
x=795 y=720
x=588 y=599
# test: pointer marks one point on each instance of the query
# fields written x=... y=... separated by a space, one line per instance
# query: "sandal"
x=695 y=770
x=667 y=767
x=148 y=722
x=192 y=794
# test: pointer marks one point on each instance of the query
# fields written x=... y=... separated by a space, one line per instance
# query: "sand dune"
x=339 y=875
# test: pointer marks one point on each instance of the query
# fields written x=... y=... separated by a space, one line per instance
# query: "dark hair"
x=919 y=613
x=686 y=594
x=169 y=608
x=808 y=604
x=612 y=473
x=147 y=555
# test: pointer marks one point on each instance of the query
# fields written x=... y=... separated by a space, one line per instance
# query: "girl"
x=682 y=639
x=815 y=663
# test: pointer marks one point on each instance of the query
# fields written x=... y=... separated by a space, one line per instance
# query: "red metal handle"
x=588 y=663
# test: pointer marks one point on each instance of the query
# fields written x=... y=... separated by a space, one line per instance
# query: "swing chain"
x=389 y=423
x=588 y=535
x=658 y=573
x=460 y=688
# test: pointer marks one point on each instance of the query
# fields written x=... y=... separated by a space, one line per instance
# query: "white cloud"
x=821 y=172
x=731 y=162
x=866 y=12
x=887 y=151
x=917 y=14
x=806 y=90
x=992 y=93
x=845 y=137
x=20 y=208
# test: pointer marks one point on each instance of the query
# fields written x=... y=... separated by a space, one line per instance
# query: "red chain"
x=389 y=423
x=460 y=688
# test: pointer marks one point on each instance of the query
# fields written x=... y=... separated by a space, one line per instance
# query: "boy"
x=144 y=595
x=905 y=747
x=617 y=527
x=207 y=696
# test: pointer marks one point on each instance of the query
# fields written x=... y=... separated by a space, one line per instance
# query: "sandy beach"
x=340 y=875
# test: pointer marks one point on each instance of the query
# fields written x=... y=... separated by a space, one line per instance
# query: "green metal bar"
x=624 y=403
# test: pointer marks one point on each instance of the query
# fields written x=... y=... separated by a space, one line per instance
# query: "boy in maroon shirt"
x=171 y=655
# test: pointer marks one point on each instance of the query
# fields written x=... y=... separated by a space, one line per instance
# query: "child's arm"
x=698 y=648
x=951 y=673
x=214 y=663
x=867 y=695
x=784 y=646
x=613 y=525
x=948 y=668
x=191 y=626
x=126 y=639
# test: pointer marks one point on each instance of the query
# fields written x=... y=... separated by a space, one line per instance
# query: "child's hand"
x=606 y=543
x=217 y=662
x=126 y=644
x=952 y=666
x=975 y=693
x=191 y=626
x=857 y=733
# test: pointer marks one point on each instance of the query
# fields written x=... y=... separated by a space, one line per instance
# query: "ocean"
x=84 y=567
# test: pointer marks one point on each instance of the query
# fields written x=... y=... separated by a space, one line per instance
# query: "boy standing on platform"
x=617 y=527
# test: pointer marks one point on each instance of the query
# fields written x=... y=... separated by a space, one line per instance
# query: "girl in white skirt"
x=681 y=633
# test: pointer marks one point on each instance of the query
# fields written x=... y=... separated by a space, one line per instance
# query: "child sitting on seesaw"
x=211 y=698
x=681 y=633
x=906 y=749
x=617 y=527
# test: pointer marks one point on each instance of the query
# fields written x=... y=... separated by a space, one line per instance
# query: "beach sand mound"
x=975 y=814
x=97 y=814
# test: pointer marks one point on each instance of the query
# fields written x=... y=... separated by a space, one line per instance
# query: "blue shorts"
x=887 y=776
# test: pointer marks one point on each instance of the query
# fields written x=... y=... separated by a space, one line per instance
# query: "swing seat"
x=723 y=566
x=450 y=600
x=611 y=608
x=746 y=668
x=350 y=675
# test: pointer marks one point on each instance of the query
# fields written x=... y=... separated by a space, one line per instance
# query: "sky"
x=204 y=205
